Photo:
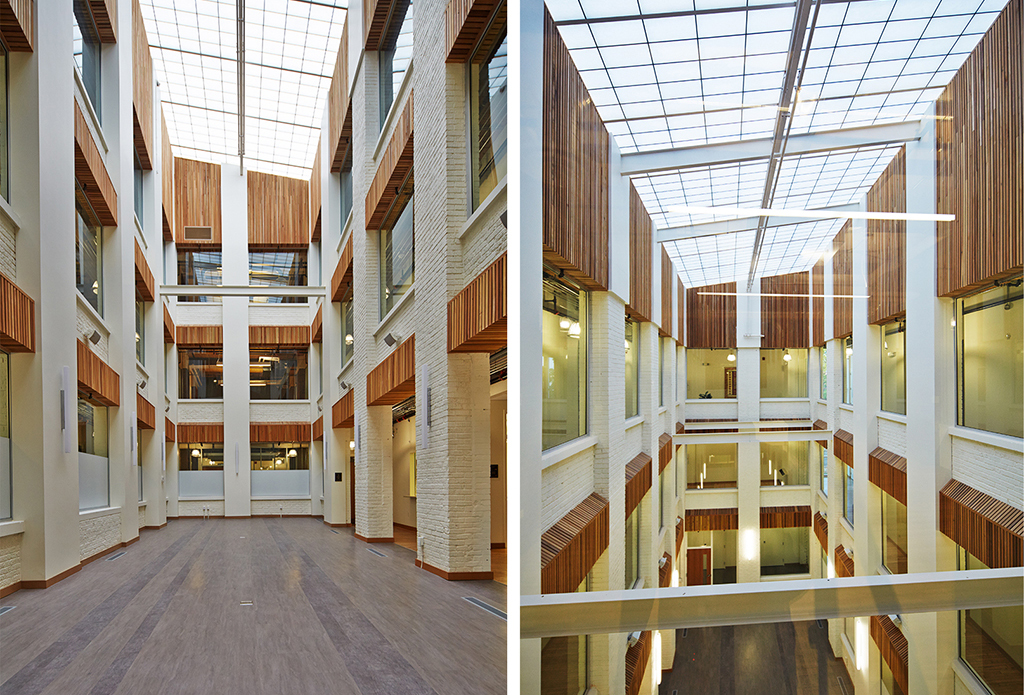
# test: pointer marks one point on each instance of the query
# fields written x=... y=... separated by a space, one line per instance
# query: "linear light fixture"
x=739 y=213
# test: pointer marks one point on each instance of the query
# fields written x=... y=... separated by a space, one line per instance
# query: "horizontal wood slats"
x=317 y=429
x=338 y=107
x=104 y=12
x=344 y=411
x=889 y=472
x=842 y=446
x=97 y=382
x=278 y=211
x=341 y=281
x=638 y=481
x=17 y=318
x=196 y=200
x=665 y=571
x=637 y=657
x=892 y=645
x=91 y=172
x=145 y=285
x=465 y=22
x=571 y=547
x=377 y=15
x=170 y=431
x=979 y=133
x=665 y=451
x=189 y=336
x=785 y=321
x=713 y=519
x=668 y=275
x=887 y=243
x=145 y=413
x=166 y=180
x=394 y=379
x=641 y=255
x=842 y=282
x=818 y=303
x=142 y=89
x=279 y=336
x=395 y=165
x=201 y=432
x=988 y=529
x=681 y=311
x=316 y=329
x=264 y=432
x=315 y=203
x=820 y=526
x=820 y=425
x=478 y=315
x=17 y=24
x=575 y=165
x=169 y=333
x=786 y=517
x=711 y=319
x=844 y=563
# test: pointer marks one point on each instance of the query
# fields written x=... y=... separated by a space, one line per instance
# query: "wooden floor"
x=770 y=659
x=327 y=616
x=406 y=537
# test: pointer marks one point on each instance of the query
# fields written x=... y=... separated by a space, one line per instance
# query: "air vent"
x=198 y=233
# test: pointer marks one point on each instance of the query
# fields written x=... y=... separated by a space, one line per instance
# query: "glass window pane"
x=894 y=369
x=5 y=129
x=137 y=187
x=823 y=468
x=346 y=195
x=286 y=456
x=711 y=466
x=278 y=268
x=201 y=457
x=991 y=640
x=397 y=258
x=200 y=373
x=489 y=113
x=347 y=333
x=632 y=368
x=848 y=493
x=784 y=373
x=140 y=332
x=824 y=372
x=564 y=395
x=710 y=373
x=92 y=428
x=88 y=254
x=563 y=661
x=393 y=58
x=785 y=551
x=199 y=268
x=848 y=371
x=6 y=485
x=278 y=374
x=633 y=547
x=894 y=535
x=783 y=463
x=661 y=371
x=87 y=50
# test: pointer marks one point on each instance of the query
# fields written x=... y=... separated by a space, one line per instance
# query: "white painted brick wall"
x=634 y=439
x=718 y=410
x=286 y=507
x=820 y=411
x=794 y=410
x=280 y=315
x=199 y=314
x=566 y=484
x=195 y=507
x=200 y=412
x=142 y=516
x=994 y=471
x=483 y=246
x=10 y=558
x=99 y=533
x=280 y=411
x=86 y=325
x=892 y=436
x=8 y=248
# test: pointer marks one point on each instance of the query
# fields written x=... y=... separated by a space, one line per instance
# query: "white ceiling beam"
x=242 y=291
x=746 y=437
x=742 y=224
x=761 y=148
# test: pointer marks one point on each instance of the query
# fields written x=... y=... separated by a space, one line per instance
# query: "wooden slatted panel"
x=665 y=451
x=818 y=303
x=201 y=432
x=842 y=282
x=638 y=481
x=278 y=212
x=641 y=254
x=680 y=313
x=571 y=547
x=343 y=412
x=887 y=243
x=820 y=527
x=316 y=329
x=17 y=24
x=191 y=336
x=979 y=132
x=637 y=657
x=665 y=571
x=394 y=379
x=377 y=21
x=889 y=472
x=170 y=431
x=575 y=165
x=465 y=22
x=892 y=645
x=145 y=413
x=17 y=318
x=97 y=382
x=264 y=432
x=680 y=535
x=668 y=273
x=91 y=172
x=711 y=319
x=317 y=429
x=338 y=107
x=842 y=446
x=279 y=336
x=713 y=519
x=785 y=321
x=315 y=203
x=104 y=12
x=478 y=315
x=785 y=517
x=844 y=563
x=145 y=285
x=988 y=529
x=169 y=333
x=142 y=89
x=166 y=180
x=395 y=165
x=821 y=425
x=196 y=200
x=341 y=282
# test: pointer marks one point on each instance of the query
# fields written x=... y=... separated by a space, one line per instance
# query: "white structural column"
x=748 y=454
x=374 y=474
x=648 y=387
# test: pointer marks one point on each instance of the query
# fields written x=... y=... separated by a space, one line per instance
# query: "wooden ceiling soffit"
x=988 y=529
x=478 y=315
x=394 y=379
x=145 y=285
x=571 y=547
x=17 y=24
x=97 y=382
x=269 y=432
x=888 y=471
x=316 y=328
x=17 y=318
x=279 y=336
x=785 y=517
x=91 y=172
x=638 y=481
x=201 y=432
x=842 y=446
x=341 y=281
x=343 y=413
x=145 y=413
x=465 y=24
x=142 y=89
x=395 y=165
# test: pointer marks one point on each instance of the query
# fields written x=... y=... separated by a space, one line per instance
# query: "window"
x=93 y=464
x=87 y=49
x=5 y=128
x=989 y=365
x=665 y=496
x=783 y=463
x=200 y=373
x=564 y=661
x=721 y=547
x=823 y=385
x=139 y=194
x=346 y=193
x=488 y=88
x=140 y=331
x=847 y=492
x=138 y=468
x=88 y=253
x=710 y=373
x=196 y=267
x=277 y=374
x=6 y=481
x=347 y=333
x=823 y=468
x=397 y=252
x=784 y=373
x=785 y=551
x=280 y=457
x=894 y=368
x=393 y=58
x=201 y=457
x=990 y=640
x=632 y=368
x=889 y=683
x=848 y=371
x=279 y=268
x=633 y=547
x=894 y=535
x=710 y=466
x=661 y=371
x=564 y=395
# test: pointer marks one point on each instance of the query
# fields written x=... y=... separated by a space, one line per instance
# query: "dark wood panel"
x=279 y=336
x=637 y=657
x=145 y=285
x=887 y=243
x=315 y=203
x=665 y=571
x=278 y=211
x=145 y=413
x=344 y=411
x=979 y=132
x=818 y=303
x=680 y=313
x=889 y=472
x=820 y=527
x=668 y=274
x=711 y=318
x=820 y=425
x=395 y=165
x=196 y=200
x=92 y=174
x=641 y=254
x=478 y=315
x=842 y=446
x=97 y=382
x=465 y=23
x=142 y=89
x=169 y=332
x=394 y=379
x=988 y=529
x=575 y=169
x=785 y=517
x=170 y=431
x=316 y=329
x=338 y=107
x=317 y=429
x=571 y=547
x=17 y=24
x=842 y=282
x=341 y=281
x=201 y=432
x=17 y=318
x=844 y=563
x=638 y=481
x=188 y=336
x=892 y=645
x=104 y=13
x=785 y=321
x=166 y=180
x=264 y=432
x=665 y=451
x=713 y=519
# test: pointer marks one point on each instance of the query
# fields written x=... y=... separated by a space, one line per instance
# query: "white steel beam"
x=740 y=437
x=743 y=224
x=241 y=291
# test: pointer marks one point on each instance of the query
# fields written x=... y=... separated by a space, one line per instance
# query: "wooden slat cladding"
x=145 y=285
x=842 y=282
x=637 y=657
x=104 y=12
x=316 y=329
x=665 y=451
x=785 y=321
x=680 y=535
x=339 y=109
x=395 y=165
x=189 y=336
x=820 y=526
x=91 y=172
x=169 y=332
x=820 y=425
x=665 y=571
x=279 y=336
x=344 y=411
x=315 y=203
x=668 y=274
x=17 y=24
x=341 y=281
x=97 y=382
x=142 y=89
x=844 y=563
x=887 y=243
x=892 y=645
x=317 y=429
x=638 y=481
x=575 y=165
x=166 y=180
x=17 y=318
x=785 y=517
x=711 y=318
x=278 y=211
x=713 y=519
x=478 y=315
x=264 y=432
x=465 y=22
x=889 y=472
x=980 y=161
x=377 y=16
x=641 y=254
x=145 y=413
x=680 y=313
x=818 y=303
x=842 y=446
x=988 y=529
x=201 y=432
x=394 y=379
x=571 y=547
x=170 y=431
x=196 y=200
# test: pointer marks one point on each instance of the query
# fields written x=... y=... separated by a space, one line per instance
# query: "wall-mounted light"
x=95 y=337
x=142 y=384
x=564 y=323
x=167 y=408
x=349 y=339
x=391 y=339
x=344 y=385
x=292 y=452
x=195 y=452
x=731 y=357
x=786 y=357
x=662 y=561
x=633 y=639
x=352 y=445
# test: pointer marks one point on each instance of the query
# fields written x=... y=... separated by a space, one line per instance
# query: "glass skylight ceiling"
x=683 y=73
x=290 y=50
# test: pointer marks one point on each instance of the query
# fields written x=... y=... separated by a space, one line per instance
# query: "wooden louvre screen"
x=680 y=534
x=343 y=412
x=641 y=271
x=142 y=89
x=844 y=563
x=145 y=413
x=17 y=24
x=170 y=431
x=637 y=657
x=278 y=211
x=785 y=320
x=17 y=318
x=166 y=180
x=711 y=318
x=988 y=529
x=97 y=382
x=842 y=446
x=197 y=203
x=465 y=23
x=818 y=303
x=394 y=379
x=264 y=432
x=638 y=481
x=339 y=110
x=478 y=315
x=91 y=172
x=341 y=281
x=395 y=166
x=665 y=571
x=668 y=273
x=201 y=432
x=169 y=332
x=727 y=519
x=317 y=428
x=892 y=646
x=199 y=336
x=104 y=13
x=821 y=425
x=820 y=527
x=888 y=471
x=785 y=517
x=680 y=311
x=145 y=285
x=316 y=329
x=842 y=282
x=887 y=243
x=665 y=451
x=571 y=547
x=279 y=336
x=315 y=201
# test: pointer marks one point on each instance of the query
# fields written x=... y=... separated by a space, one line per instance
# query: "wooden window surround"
x=820 y=527
x=821 y=425
x=292 y=337
x=263 y=432
x=199 y=336
x=145 y=413
x=665 y=571
x=842 y=282
x=166 y=180
x=17 y=318
x=988 y=529
x=713 y=519
x=641 y=252
x=91 y=172
x=206 y=432
x=142 y=88
x=637 y=657
x=341 y=282
x=478 y=315
x=104 y=12
x=638 y=481
x=278 y=212
x=396 y=165
x=97 y=382
x=394 y=379
x=844 y=563
x=317 y=428
x=339 y=109
x=170 y=431
x=892 y=645
x=888 y=471
x=668 y=272
x=316 y=329
x=169 y=332
x=315 y=200
x=571 y=547
x=343 y=412
x=145 y=285
x=785 y=517
x=17 y=24
x=465 y=24
x=665 y=451
x=842 y=446
x=818 y=303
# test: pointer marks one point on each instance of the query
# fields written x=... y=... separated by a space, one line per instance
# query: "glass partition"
x=783 y=463
x=201 y=470
x=710 y=373
x=137 y=185
x=847 y=490
x=661 y=371
x=823 y=468
x=394 y=56
x=93 y=464
x=894 y=535
x=632 y=368
x=5 y=128
x=346 y=193
x=200 y=267
x=633 y=570
x=992 y=640
x=279 y=469
x=563 y=661
x=88 y=252
x=488 y=74
x=347 y=332
x=710 y=466
x=87 y=51
x=848 y=371
x=564 y=394
x=278 y=374
x=140 y=331
x=278 y=268
x=784 y=373
x=894 y=368
x=785 y=551
x=397 y=253
x=200 y=373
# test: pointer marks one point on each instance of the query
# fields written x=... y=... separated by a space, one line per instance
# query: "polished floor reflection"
x=173 y=615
